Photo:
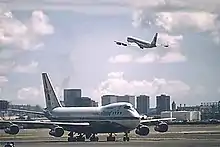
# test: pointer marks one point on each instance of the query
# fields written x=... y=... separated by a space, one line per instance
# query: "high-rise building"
x=143 y=104
x=127 y=98
x=95 y=104
x=71 y=96
x=173 y=106
x=84 y=102
x=108 y=99
x=163 y=103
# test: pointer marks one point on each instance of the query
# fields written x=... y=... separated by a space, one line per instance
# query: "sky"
x=73 y=41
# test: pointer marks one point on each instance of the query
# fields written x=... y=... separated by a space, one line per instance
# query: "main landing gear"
x=126 y=137
x=93 y=138
x=81 y=137
x=112 y=138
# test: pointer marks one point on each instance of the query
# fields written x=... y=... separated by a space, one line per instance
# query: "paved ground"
x=126 y=144
x=178 y=136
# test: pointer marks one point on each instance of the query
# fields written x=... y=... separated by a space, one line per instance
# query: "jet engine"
x=56 y=132
x=142 y=130
x=13 y=129
x=161 y=127
x=118 y=43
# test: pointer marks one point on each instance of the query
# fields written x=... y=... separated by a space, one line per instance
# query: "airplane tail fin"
x=154 y=41
x=50 y=96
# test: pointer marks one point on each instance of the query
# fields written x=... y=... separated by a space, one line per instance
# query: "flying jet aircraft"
x=142 y=44
x=87 y=122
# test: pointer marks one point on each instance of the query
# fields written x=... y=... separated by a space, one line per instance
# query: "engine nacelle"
x=57 y=132
x=142 y=130
x=161 y=127
x=13 y=129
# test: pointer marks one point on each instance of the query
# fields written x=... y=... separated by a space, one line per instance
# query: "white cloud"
x=5 y=67
x=3 y=80
x=123 y=58
x=121 y=86
x=29 y=93
x=40 y=23
x=80 y=6
x=172 y=5
x=17 y=36
x=115 y=74
x=148 y=58
x=23 y=35
x=182 y=21
x=35 y=95
x=30 y=68
x=172 y=57
x=172 y=40
x=169 y=57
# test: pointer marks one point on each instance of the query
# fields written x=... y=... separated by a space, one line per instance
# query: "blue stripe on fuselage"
x=94 y=118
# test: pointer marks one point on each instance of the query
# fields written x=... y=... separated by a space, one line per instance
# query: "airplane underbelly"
x=107 y=127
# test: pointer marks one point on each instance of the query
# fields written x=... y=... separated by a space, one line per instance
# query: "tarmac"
x=170 y=143
x=177 y=136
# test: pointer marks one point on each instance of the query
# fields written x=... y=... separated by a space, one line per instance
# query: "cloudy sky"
x=74 y=43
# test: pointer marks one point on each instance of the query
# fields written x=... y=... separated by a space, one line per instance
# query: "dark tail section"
x=154 y=41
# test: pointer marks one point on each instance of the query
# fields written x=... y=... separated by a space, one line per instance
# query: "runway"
x=177 y=136
x=180 y=143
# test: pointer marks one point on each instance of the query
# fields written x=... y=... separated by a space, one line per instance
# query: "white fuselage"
x=139 y=42
x=117 y=113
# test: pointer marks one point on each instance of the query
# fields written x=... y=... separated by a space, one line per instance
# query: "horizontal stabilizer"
x=26 y=111
x=157 y=120
x=45 y=123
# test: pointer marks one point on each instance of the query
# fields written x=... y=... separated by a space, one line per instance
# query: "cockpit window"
x=127 y=107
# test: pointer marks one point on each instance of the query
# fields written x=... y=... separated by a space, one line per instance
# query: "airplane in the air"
x=142 y=44
x=87 y=122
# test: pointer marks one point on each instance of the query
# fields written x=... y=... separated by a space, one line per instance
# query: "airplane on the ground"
x=142 y=44
x=87 y=122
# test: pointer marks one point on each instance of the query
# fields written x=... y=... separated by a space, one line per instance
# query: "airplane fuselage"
x=140 y=43
x=110 y=118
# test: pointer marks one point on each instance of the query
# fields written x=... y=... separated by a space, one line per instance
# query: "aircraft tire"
x=81 y=139
x=126 y=138
x=72 y=139
x=94 y=139
x=110 y=138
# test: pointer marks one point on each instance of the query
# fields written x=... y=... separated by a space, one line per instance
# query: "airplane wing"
x=164 y=45
x=27 y=111
x=157 y=120
x=45 y=123
x=121 y=43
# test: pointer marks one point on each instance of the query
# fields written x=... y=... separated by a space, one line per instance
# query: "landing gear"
x=71 y=138
x=94 y=138
x=126 y=137
x=111 y=137
x=79 y=138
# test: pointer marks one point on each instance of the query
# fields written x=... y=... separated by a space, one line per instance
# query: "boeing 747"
x=142 y=44
x=87 y=122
